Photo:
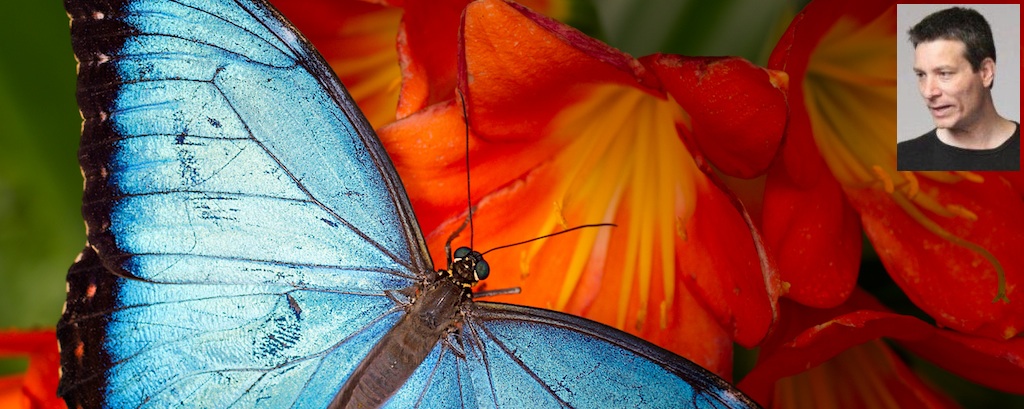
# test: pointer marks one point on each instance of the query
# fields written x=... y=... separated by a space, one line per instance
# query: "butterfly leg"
x=451 y=341
x=399 y=297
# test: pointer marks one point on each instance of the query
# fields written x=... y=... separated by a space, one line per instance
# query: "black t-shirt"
x=927 y=152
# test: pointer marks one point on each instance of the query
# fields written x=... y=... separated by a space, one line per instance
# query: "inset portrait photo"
x=958 y=87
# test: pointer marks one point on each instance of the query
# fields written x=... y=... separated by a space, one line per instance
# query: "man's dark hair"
x=958 y=23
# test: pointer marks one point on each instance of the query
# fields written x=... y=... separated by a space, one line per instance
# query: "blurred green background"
x=41 y=229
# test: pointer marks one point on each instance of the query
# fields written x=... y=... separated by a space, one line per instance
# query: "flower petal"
x=993 y=363
x=738 y=109
x=37 y=388
x=808 y=337
x=428 y=44
x=497 y=35
x=807 y=222
x=358 y=40
x=527 y=191
x=810 y=227
x=947 y=259
x=869 y=375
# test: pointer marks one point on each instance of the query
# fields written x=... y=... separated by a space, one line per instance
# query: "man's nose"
x=929 y=87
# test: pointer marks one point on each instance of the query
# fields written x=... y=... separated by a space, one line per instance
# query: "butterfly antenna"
x=551 y=235
x=469 y=198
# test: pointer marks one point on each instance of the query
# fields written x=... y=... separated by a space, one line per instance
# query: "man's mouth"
x=941 y=110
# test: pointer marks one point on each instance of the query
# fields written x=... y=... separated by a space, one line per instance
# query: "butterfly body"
x=249 y=244
x=436 y=310
x=397 y=355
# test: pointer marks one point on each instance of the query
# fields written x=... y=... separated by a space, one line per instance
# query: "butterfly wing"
x=248 y=235
x=510 y=356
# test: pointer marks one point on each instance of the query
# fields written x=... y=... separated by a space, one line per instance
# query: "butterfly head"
x=468 y=267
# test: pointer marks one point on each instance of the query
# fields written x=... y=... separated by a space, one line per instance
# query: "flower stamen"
x=912 y=186
x=885 y=179
x=629 y=168
x=934 y=228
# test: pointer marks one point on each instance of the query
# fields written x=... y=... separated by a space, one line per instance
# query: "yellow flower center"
x=364 y=57
x=623 y=163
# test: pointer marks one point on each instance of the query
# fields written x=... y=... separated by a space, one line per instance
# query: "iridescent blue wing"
x=248 y=237
x=510 y=356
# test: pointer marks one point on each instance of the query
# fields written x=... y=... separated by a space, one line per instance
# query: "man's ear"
x=988 y=72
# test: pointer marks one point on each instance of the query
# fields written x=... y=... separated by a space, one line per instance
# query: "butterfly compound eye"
x=482 y=270
x=461 y=252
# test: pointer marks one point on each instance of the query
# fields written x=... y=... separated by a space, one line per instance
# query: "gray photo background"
x=912 y=118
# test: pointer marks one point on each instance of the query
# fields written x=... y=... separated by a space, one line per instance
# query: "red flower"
x=37 y=387
x=834 y=357
x=566 y=131
x=358 y=39
x=949 y=239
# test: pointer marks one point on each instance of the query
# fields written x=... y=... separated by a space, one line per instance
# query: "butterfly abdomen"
x=394 y=359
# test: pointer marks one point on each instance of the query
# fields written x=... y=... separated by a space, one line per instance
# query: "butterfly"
x=249 y=244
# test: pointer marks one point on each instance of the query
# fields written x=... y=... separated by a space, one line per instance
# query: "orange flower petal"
x=524 y=95
x=994 y=363
x=1016 y=180
x=807 y=222
x=581 y=272
x=947 y=263
x=869 y=375
x=10 y=392
x=808 y=337
x=810 y=227
x=428 y=149
x=738 y=109
x=428 y=44
x=37 y=388
x=358 y=40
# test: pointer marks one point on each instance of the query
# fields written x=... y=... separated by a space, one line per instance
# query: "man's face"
x=953 y=92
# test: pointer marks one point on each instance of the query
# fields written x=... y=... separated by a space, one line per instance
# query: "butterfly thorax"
x=434 y=312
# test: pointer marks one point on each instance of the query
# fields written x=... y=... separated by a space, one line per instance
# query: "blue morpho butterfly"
x=250 y=245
